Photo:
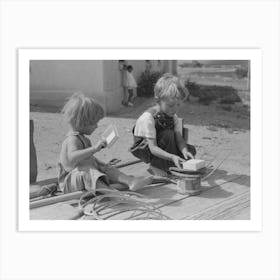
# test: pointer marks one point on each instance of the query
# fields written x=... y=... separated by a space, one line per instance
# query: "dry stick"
x=123 y=199
x=127 y=200
x=128 y=163
x=211 y=172
x=209 y=207
x=55 y=199
x=115 y=212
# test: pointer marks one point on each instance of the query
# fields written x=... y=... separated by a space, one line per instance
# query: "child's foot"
x=124 y=104
x=129 y=104
x=137 y=183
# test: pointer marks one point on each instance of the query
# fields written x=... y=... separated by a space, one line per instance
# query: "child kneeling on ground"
x=157 y=132
x=78 y=168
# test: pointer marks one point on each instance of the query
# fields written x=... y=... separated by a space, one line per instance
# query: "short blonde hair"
x=170 y=87
x=81 y=111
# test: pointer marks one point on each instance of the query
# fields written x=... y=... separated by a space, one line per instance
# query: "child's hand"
x=187 y=155
x=177 y=161
x=101 y=144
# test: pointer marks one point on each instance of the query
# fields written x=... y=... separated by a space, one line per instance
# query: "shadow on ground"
x=169 y=195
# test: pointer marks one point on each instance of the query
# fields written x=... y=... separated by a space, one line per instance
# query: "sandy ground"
x=216 y=130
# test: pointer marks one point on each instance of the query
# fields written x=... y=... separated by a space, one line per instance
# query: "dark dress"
x=165 y=136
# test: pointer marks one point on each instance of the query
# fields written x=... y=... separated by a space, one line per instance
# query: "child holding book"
x=78 y=168
x=157 y=132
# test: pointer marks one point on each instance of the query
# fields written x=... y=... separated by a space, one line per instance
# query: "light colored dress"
x=145 y=125
x=83 y=176
x=131 y=83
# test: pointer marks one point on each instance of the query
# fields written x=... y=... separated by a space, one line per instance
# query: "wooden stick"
x=69 y=196
x=128 y=163
x=55 y=199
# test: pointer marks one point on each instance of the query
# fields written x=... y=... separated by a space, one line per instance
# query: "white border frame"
x=24 y=57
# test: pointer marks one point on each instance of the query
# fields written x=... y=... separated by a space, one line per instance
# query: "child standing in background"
x=157 y=132
x=131 y=85
x=78 y=168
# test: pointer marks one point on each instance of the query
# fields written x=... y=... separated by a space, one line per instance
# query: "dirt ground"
x=217 y=131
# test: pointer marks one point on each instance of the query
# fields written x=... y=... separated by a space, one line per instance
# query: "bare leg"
x=125 y=96
x=134 y=94
x=130 y=95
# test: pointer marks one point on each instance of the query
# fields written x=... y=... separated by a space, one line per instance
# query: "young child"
x=157 y=133
x=78 y=168
x=131 y=85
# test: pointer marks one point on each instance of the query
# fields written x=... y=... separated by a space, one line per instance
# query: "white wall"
x=52 y=81
x=113 y=92
x=66 y=75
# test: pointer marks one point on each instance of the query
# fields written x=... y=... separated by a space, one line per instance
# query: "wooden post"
x=33 y=156
x=170 y=66
x=249 y=76
x=174 y=67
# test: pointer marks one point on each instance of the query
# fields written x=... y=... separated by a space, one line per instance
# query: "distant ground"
x=222 y=75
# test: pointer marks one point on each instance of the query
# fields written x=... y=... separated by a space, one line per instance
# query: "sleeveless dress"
x=82 y=177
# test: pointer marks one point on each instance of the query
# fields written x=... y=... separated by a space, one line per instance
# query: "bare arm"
x=76 y=153
x=182 y=146
x=158 y=152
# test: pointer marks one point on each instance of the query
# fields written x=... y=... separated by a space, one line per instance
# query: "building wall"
x=66 y=75
x=52 y=81
x=113 y=92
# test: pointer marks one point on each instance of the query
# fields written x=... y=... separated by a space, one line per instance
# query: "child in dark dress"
x=157 y=132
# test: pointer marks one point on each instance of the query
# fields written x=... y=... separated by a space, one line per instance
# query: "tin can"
x=189 y=184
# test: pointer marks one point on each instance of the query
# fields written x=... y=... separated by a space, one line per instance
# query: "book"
x=194 y=164
x=110 y=135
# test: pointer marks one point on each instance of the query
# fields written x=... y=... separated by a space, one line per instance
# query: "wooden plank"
x=36 y=187
x=225 y=209
x=58 y=211
x=190 y=206
x=243 y=214
x=171 y=202
x=55 y=199
x=177 y=206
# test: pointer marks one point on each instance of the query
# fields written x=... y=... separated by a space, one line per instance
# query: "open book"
x=110 y=135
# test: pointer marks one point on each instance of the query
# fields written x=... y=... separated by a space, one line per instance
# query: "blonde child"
x=157 y=133
x=78 y=168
